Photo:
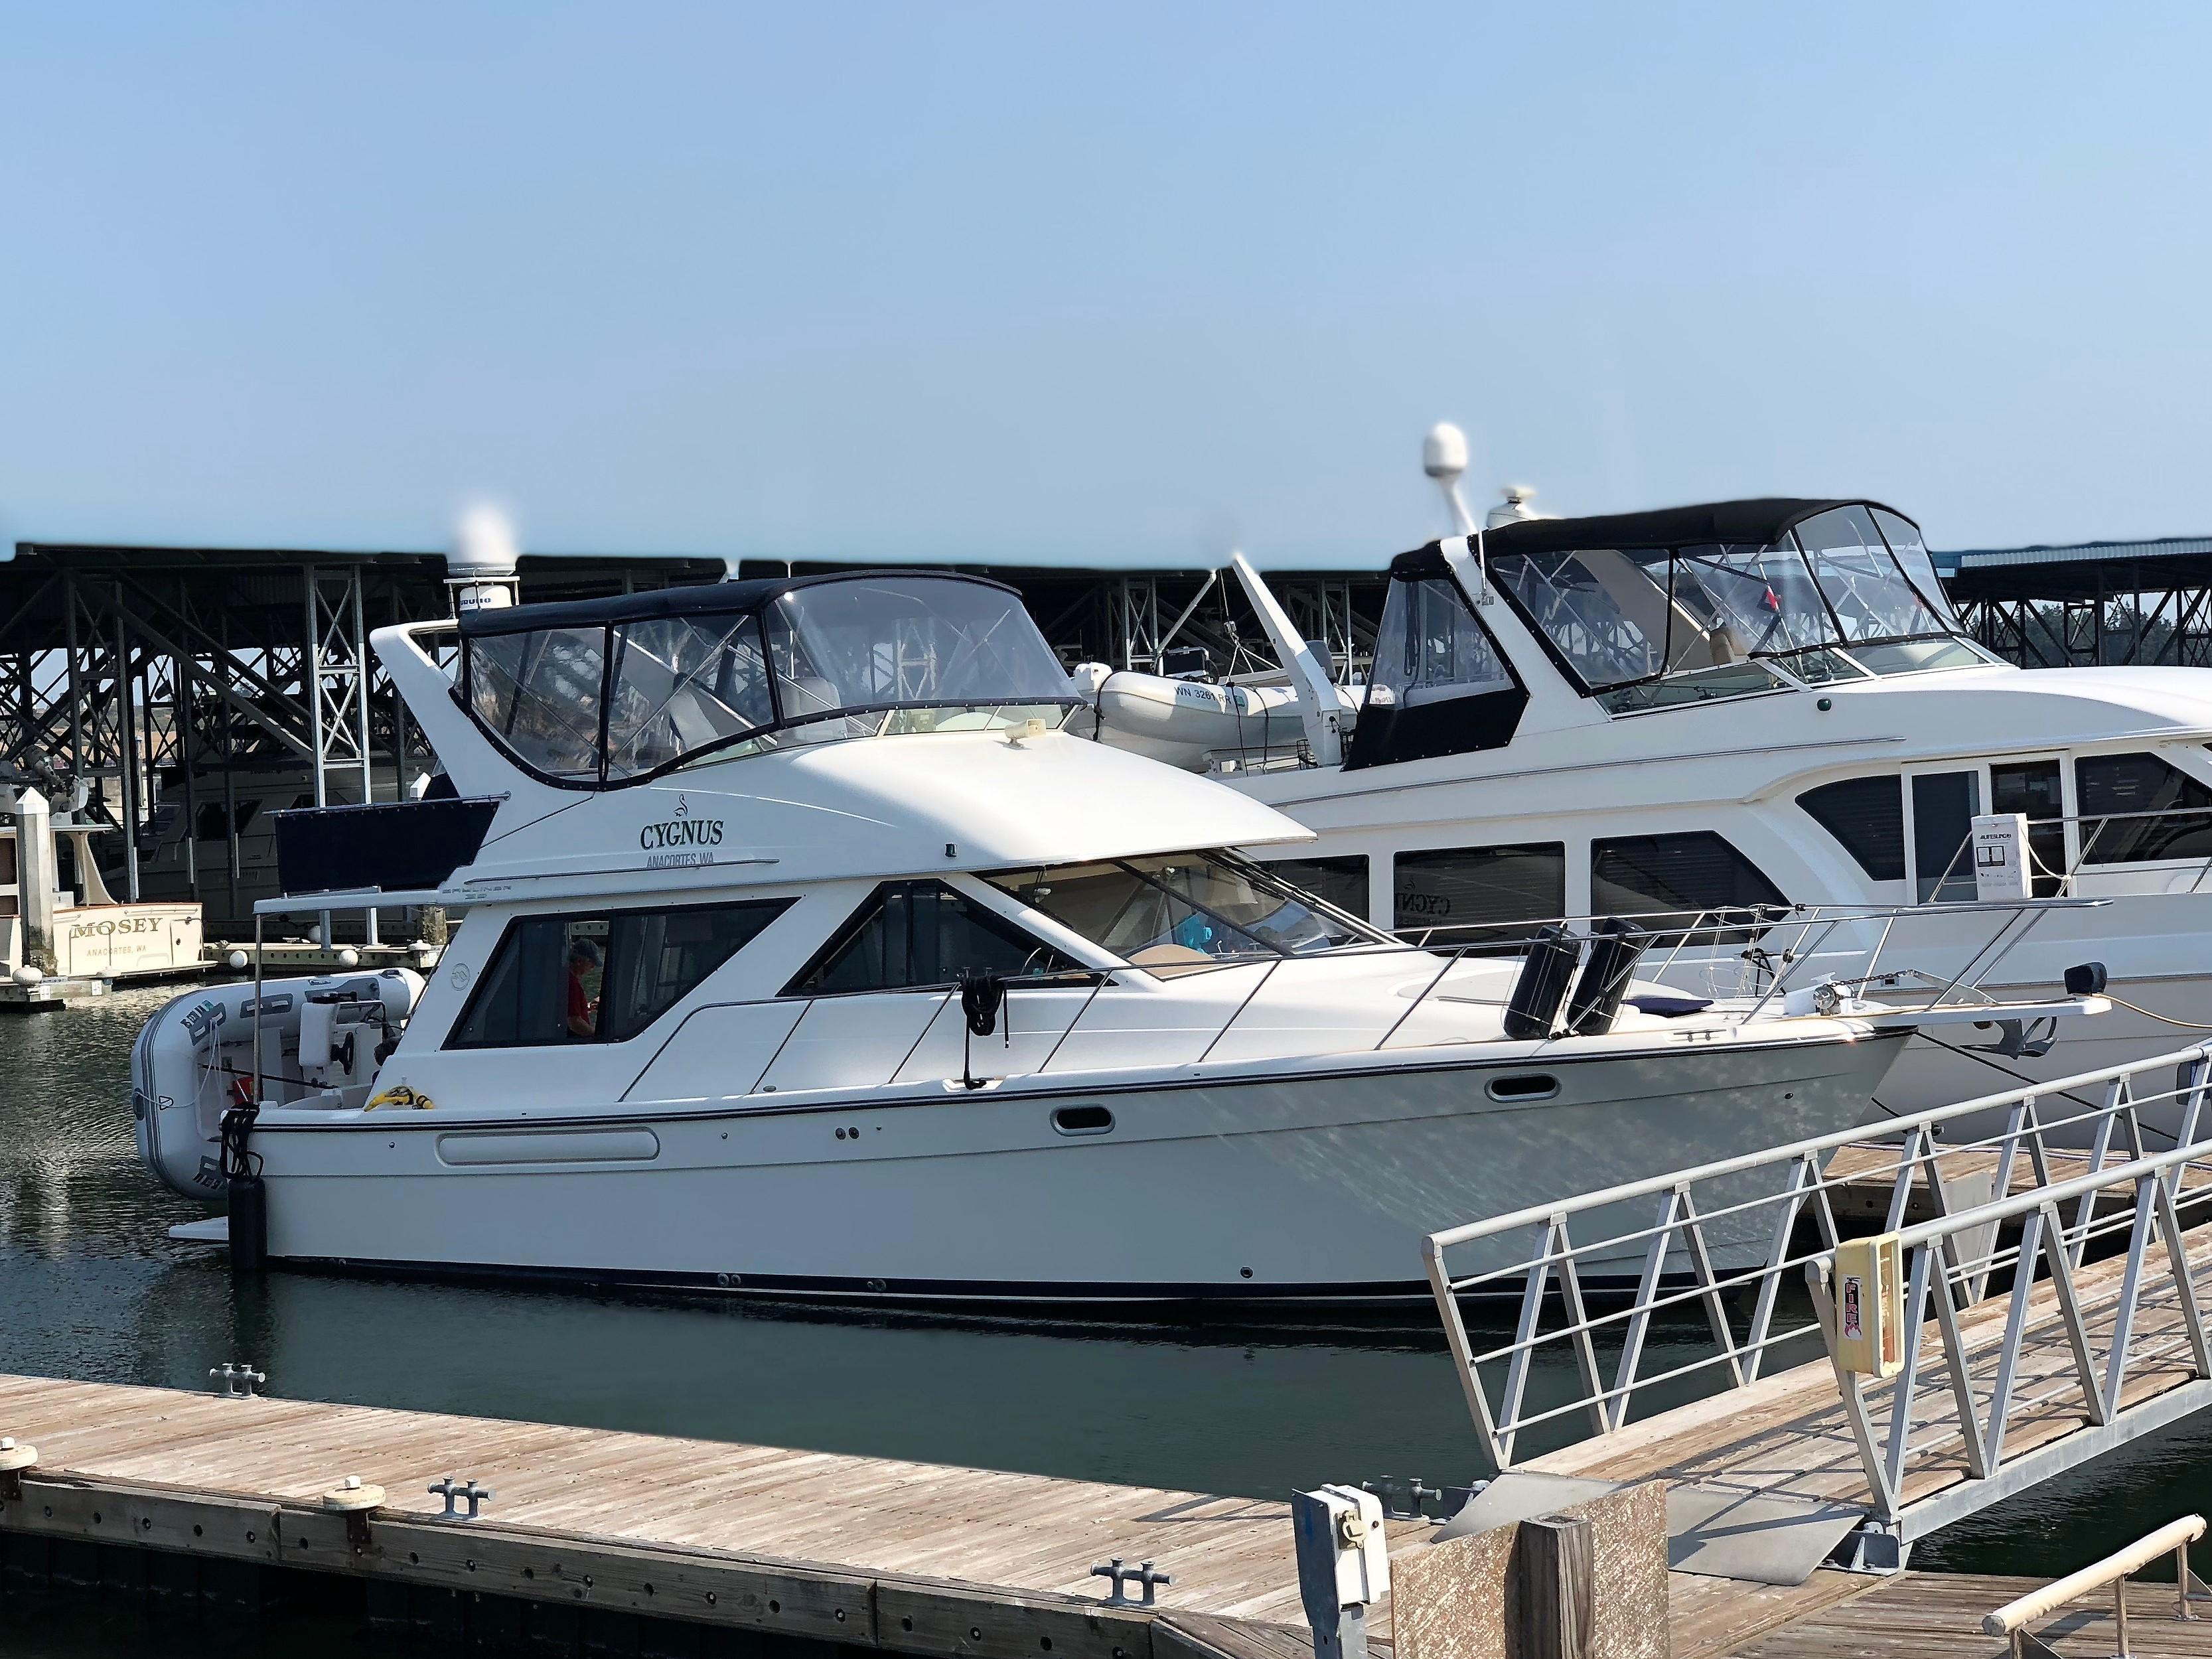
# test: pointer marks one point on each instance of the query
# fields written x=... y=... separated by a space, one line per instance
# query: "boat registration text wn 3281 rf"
x=804 y=953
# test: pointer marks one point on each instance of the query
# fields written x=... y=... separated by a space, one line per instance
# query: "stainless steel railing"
x=1689 y=1245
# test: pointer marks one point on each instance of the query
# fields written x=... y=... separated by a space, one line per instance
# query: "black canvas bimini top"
x=703 y=599
x=1759 y=522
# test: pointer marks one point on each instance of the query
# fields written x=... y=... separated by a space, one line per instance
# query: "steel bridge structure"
x=2093 y=602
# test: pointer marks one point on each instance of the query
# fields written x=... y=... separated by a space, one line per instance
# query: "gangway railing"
x=2012 y=1620
x=1715 y=1263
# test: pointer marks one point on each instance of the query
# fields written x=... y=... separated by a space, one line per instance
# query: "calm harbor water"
x=94 y=1289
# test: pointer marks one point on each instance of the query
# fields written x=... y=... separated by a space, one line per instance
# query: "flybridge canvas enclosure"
x=1439 y=686
x=396 y=846
x=1648 y=609
x=603 y=693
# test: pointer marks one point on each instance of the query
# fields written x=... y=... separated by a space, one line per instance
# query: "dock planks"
x=933 y=1542
x=1938 y=1616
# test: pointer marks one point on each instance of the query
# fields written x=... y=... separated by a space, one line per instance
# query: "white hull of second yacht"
x=1955 y=1064
x=2016 y=955
x=1297 y=1182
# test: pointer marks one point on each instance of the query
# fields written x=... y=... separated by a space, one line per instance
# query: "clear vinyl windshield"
x=1185 y=910
x=599 y=703
x=1848 y=593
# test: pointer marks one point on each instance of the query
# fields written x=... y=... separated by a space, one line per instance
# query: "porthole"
x=1083 y=1121
x=1525 y=1086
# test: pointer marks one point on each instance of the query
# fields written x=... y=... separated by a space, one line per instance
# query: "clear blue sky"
x=1048 y=283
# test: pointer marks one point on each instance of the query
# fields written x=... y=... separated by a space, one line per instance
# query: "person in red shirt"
x=583 y=1007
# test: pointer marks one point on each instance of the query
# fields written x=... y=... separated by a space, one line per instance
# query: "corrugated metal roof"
x=1993 y=558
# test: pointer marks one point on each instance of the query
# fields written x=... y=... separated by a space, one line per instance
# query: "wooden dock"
x=865 y=1552
x=1937 y=1615
x=872 y=1553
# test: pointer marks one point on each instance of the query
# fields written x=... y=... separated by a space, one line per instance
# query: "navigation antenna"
x=1444 y=458
x=480 y=565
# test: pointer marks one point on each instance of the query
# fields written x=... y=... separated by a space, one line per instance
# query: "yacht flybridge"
x=804 y=953
x=1707 y=717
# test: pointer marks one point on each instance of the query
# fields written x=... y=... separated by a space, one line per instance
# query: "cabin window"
x=916 y=934
x=601 y=978
x=1944 y=806
x=1867 y=816
x=212 y=821
x=1480 y=894
x=1341 y=882
x=2138 y=808
x=1674 y=878
x=1181 y=910
x=2032 y=788
x=1733 y=601
x=1430 y=647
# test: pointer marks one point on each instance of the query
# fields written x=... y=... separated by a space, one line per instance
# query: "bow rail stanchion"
x=2041 y=1297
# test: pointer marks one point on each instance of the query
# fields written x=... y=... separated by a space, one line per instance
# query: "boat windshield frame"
x=1818 y=602
x=1021 y=884
x=769 y=646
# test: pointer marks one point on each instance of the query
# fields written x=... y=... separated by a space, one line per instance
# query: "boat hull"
x=1283 y=1187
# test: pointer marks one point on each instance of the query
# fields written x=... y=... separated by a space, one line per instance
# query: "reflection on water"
x=97 y=1291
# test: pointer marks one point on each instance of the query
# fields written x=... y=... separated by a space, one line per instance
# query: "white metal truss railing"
x=1693 y=1245
x=1985 y=1385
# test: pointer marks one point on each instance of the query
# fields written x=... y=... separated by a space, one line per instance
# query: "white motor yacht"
x=804 y=953
x=1707 y=716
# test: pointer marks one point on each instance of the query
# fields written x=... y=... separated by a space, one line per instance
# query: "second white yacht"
x=1707 y=718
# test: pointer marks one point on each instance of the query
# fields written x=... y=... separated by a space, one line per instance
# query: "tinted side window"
x=600 y=978
x=1339 y=881
x=2123 y=784
x=212 y=822
x=1635 y=875
x=1944 y=806
x=1867 y=815
x=922 y=932
x=522 y=997
x=1473 y=894
x=658 y=957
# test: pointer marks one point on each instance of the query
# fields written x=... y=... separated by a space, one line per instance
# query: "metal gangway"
x=2043 y=1291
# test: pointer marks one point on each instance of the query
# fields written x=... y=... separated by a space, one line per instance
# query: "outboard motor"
x=1534 y=1006
x=1616 y=946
